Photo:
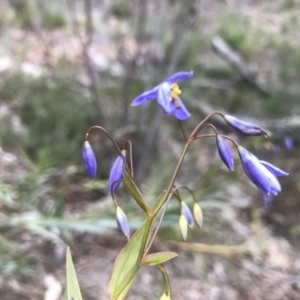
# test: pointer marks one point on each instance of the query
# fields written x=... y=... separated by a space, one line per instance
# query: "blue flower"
x=245 y=128
x=289 y=143
x=186 y=212
x=89 y=160
x=122 y=222
x=261 y=173
x=116 y=174
x=225 y=153
x=167 y=95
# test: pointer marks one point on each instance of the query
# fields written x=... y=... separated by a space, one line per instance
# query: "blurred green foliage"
x=55 y=117
x=22 y=12
x=289 y=4
x=121 y=9
x=53 y=20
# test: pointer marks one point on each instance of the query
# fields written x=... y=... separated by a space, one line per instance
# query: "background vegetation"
x=68 y=65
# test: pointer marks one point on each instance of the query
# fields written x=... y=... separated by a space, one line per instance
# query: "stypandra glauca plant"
x=137 y=250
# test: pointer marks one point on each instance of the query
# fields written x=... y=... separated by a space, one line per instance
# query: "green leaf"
x=158 y=258
x=128 y=262
x=65 y=295
x=72 y=289
x=134 y=191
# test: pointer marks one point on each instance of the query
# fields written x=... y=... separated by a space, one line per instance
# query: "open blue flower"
x=167 y=95
x=262 y=174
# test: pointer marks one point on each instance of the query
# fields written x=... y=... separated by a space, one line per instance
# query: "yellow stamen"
x=175 y=92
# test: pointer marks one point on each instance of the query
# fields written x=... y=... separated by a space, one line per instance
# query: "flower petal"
x=186 y=212
x=274 y=183
x=225 y=153
x=274 y=170
x=116 y=173
x=181 y=113
x=148 y=95
x=255 y=171
x=89 y=160
x=180 y=76
x=122 y=222
x=164 y=98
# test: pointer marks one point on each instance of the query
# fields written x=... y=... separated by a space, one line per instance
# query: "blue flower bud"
x=198 y=215
x=245 y=128
x=289 y=143
x=122 y=222
x=183 y=226
x=265 y=180
x=116 y=173
x=225 y=153
x=89 y=160
x=165 y=296
x=186 y=212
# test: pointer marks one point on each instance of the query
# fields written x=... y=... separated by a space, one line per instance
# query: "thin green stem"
x=111 y=138
x=158 y=224
x=201 y=124
x=129 y=144
x=107 y=134
x=160 y=202
x=188 y=189
x=211 y=126
x=112 y=188
x=183 y=131
x=214 y=135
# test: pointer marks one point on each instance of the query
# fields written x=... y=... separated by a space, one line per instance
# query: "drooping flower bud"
x=89 y=160
x=186 y=212
x=264 y=179
x=245 y=128
x=116 y=173
x=122 y=222
x=225 y=152
x=198 y=215
x=165 y=297
x=183 y=226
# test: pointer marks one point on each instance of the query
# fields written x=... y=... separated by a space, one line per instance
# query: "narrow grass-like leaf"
x=128 y=262
x=66 y=295
x=134 y=191
x=158 y=258
x=72 y=288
